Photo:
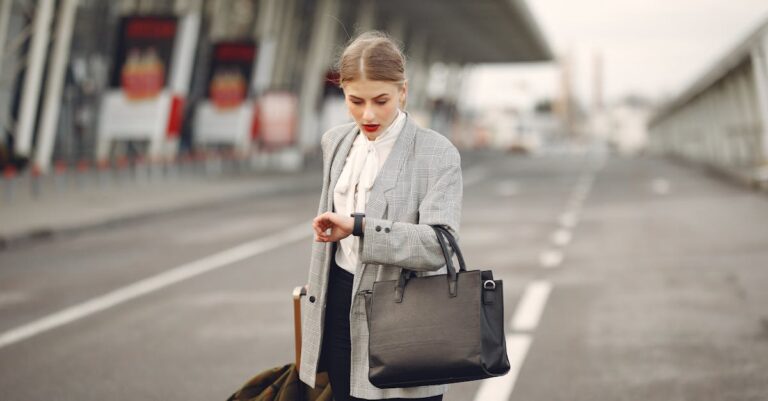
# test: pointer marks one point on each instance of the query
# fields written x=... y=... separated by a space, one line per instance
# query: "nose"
x=368 y=114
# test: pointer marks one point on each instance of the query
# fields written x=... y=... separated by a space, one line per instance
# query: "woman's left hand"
x=340 y=226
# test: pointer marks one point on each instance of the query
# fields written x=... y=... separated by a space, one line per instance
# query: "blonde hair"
x=374 y=56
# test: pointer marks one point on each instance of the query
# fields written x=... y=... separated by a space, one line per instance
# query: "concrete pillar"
x=30 y=94
x=323 y=33
x=712 y=122
x=455 y=79
x=180 y=77
x=760 y=69
x=289 y=28
x=366 y=16
x=269 y=16
x=5 y=14
x=746 y=119
x=55 y=84
x=417 y=70
x=396 y=28
x=715 y=136
x=732 y=112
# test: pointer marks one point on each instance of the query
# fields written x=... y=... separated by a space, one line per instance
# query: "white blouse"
x=354 y=185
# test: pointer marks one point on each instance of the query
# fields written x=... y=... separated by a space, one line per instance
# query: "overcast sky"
x=650 y=47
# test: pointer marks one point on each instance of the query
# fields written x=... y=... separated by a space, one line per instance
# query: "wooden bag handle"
x=298 y=292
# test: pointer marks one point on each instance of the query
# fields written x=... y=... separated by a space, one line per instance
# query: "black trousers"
x=335 y=354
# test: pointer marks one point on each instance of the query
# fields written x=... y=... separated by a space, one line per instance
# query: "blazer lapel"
x=340 y=151
x=387 y=177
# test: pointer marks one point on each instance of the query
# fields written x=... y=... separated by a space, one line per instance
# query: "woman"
x=397 y=179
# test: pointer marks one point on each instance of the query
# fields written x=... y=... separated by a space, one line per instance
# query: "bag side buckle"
x=489 y=293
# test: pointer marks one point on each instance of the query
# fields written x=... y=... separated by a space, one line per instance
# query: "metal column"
x=31 y=90
x=5 y=15
x=55 y=84
x=267 y=37
x=287 y=37
x=366 y=17
x=323 y=33
x=760 y=68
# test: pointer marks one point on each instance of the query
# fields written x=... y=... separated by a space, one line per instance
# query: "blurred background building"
x=93 y=81
x=721 y=120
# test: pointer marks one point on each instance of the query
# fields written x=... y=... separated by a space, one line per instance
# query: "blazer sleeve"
x=415 y=246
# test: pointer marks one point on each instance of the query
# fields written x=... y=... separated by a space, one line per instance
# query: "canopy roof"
x=475 y=31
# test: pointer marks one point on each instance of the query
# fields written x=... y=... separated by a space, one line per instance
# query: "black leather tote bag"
x=437 y=329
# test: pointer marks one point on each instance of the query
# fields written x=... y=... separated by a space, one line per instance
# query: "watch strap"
x=357 y=227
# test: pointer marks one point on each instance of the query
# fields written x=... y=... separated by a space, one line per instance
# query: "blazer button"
x=378 y=228
x=312 y=298
x=386 y=230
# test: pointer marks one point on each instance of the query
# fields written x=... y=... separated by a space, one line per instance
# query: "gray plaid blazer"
x=419 y=185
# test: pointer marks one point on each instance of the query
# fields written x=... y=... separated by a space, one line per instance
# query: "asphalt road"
x=625 y=279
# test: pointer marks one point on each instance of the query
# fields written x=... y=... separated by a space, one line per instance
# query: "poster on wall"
x=144 y=51
x=230 y=73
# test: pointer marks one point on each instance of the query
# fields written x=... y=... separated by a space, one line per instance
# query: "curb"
x=50 y=233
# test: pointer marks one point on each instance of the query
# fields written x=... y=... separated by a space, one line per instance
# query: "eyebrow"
x=375 y=97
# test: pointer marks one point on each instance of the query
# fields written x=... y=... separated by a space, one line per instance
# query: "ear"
x=404 y=92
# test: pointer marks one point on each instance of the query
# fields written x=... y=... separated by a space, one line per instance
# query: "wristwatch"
x=357 y=228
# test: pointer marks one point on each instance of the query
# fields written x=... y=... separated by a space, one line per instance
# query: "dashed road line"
x=562 y=237
x=500 y=388
x=474 y=175
x=508 y=188
x=531 y=306
x=551 y=258
x=533 y=301
x=568 y=220
x=660 y=186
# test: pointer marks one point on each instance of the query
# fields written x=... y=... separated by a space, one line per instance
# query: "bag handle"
x=442 y=233
x=455 y=245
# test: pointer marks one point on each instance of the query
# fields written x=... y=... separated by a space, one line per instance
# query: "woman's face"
x=373 y=104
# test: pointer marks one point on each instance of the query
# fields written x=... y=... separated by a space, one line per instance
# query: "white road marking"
x=244 y=226
x=576 y=202
x=660 y=186
x=561 y=237
x=586 y=181
x=13 y=297
x=531 y=306
x=500 y=388
x=574 y=205
x=154 y=283
x=551 y=258
x=581 y=193
x=473 y=175
x=568 y=220
x=508 y=188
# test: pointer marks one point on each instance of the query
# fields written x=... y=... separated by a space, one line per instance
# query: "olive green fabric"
x=283 y=384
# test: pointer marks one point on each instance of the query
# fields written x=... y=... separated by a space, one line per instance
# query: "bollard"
x=9 y=178
x=140 y=171
x=122 y=172
x=184 y=163
x=199 y=162
x=103 y=168
x=82 y=169
x=60 y=170
x=172 y=169
x=35 y=183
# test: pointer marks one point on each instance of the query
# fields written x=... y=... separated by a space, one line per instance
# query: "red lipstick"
x=370 y=127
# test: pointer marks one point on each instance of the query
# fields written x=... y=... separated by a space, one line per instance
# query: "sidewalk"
x=82 y=203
